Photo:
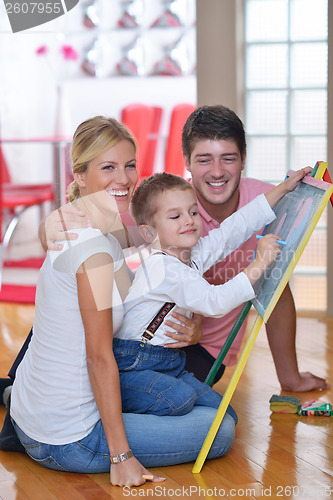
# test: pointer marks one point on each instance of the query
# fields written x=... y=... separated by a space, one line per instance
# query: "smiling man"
x=214 y=148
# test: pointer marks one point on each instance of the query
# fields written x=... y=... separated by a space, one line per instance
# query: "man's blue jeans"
x=153 y=381
x=155 y=442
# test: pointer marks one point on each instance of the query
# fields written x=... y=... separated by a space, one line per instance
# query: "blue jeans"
x=153 y=380
x=155 y=442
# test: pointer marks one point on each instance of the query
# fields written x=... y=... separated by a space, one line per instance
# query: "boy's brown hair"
x=144 y=201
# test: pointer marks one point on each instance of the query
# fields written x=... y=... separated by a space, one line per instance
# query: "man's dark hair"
x=213 y=123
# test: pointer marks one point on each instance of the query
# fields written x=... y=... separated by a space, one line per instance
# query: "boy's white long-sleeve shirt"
x=163 y=278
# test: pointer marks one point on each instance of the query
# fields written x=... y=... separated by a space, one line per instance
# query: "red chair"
x=14 y=200
x=149 y=158
x=144 y=123
x=9 y=185
x=174 y=161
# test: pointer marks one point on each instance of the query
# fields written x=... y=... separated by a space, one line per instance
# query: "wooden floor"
x=273 y=456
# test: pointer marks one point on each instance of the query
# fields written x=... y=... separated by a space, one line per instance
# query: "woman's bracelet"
x=116 y=459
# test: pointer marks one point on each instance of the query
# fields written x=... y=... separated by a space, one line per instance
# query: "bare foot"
x=306 y=382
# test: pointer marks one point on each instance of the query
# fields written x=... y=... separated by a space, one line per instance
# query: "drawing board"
x=296 y=216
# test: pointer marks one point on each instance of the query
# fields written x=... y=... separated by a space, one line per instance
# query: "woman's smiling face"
x=113 y=171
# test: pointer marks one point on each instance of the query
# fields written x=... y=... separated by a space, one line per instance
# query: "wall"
x=109 y=96
x=28 y=95
x=220 y=73
x=28 y=87
x=220 y=60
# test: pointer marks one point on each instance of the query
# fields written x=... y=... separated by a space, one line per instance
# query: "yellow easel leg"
x=227 y=396
x=321 y=170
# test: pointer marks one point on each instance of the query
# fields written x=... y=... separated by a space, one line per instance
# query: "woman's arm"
x=95 y=280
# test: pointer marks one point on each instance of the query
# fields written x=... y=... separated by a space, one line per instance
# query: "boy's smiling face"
x=177 y=222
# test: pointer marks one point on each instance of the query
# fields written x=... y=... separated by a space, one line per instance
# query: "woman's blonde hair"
x=91 y=138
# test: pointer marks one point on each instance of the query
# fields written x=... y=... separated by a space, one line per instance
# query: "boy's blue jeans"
x=153 y=380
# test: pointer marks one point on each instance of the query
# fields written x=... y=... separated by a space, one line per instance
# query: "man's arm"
x=188 y=333
x=281 y=334
x=53 y=227
x=42 y=234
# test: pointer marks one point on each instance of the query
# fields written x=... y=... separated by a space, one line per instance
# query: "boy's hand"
x=61 y=220
x=267 y=251
x=276 y=194
x=130 y=473
x=292 y=182
x=189 y=333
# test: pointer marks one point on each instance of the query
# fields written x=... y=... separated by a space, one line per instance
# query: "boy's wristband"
x=116 y=459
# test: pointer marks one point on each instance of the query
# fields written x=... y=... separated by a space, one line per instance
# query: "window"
x=286 y=111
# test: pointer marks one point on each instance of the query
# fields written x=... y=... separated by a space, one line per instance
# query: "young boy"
x=164 y=206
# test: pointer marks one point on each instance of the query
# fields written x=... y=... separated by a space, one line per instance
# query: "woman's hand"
x=61 y=220
x=130 y=473
x=189 y=333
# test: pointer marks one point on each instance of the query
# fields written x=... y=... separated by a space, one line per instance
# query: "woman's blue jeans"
x=155 y=442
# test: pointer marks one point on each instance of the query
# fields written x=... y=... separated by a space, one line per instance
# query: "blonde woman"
x=65 y=402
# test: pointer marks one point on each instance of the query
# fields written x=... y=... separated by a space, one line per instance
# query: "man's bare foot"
x=306 y=382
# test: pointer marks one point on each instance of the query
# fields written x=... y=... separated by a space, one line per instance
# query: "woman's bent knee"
x=224 y=438
x=163 y=447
